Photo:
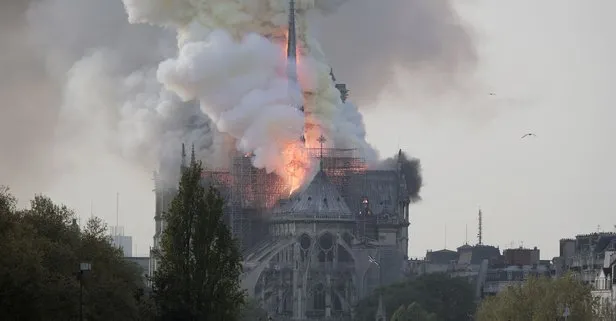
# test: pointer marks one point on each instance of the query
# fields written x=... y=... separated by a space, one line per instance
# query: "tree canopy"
x=199 y=262
x=251 y=311
x=414 y=312
x=40 y=251
x=540 y=299
x=447 y=298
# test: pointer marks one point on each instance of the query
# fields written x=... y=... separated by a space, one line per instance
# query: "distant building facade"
x=121 y=241
x=500 y=278
x=521 y=256
x=585 y=255
x=604 y=285
x=484 y=266
x=592 y=259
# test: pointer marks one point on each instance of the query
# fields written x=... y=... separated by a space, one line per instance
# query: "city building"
x=585 y=255
x=500 y=278
x=604 y=288
x=484 y=266
x=521 y=256
x=315 y=253
x=121 y=241
x=592 y=259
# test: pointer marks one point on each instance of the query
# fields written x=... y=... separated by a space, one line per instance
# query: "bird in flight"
x=529 y=134
x=372 y=260
x=492 y=94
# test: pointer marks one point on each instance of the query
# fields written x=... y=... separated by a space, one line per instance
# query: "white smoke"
x=227 y=61
x=106 y=67
x=83 y=113
x=111 y=97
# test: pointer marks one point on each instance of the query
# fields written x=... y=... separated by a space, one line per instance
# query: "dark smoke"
x=368 y=41
x=411 y=168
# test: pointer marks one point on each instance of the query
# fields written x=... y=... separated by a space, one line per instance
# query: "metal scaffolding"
x=251 y=193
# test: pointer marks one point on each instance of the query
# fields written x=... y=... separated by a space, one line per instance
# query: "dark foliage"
x=199 y=262
x=449 y=299
x=543 y=299
x=40 y=252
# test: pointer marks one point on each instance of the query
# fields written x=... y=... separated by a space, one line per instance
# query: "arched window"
x=304 y=244
x=319 y=297
x=326 y=245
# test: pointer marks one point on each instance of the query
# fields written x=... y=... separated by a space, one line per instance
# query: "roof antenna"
x=480 y=229
x=445 y=236
x=117 y=214
x=466 y=234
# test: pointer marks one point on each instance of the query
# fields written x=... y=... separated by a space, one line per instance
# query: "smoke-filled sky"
x=420 y=70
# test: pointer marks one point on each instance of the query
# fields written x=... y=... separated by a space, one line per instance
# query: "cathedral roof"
x=319 y=199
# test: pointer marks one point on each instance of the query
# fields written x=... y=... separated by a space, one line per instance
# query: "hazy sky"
x=548 y=62
x=551 y=66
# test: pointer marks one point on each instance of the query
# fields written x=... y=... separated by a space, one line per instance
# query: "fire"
x=295 y=156
x=283 y=43
x=297 y=161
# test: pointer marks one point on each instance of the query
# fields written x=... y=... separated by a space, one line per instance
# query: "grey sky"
x=549 y=63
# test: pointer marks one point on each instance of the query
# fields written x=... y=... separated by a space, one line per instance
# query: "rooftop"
x=320 y=198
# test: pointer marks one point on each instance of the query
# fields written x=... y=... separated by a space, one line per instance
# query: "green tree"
x=414 y=312
x=450 y=299
x=199 y=262
x=113 y=281
x=251 y=311
x=540 y=299
x=40 y=251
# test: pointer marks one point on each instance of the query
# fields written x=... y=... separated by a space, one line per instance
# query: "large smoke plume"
x=426 y=39
x=82 y=87
x=83 y=83
x=230 y=62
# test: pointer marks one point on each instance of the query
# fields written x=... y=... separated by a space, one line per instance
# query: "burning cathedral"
x=312 y=252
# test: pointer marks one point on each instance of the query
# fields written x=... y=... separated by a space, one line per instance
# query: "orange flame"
x=295 y=155
x=296 y=160
x=283 y=43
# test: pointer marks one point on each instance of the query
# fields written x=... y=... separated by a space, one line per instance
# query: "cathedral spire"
x=292 y=58
x=292 y=45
